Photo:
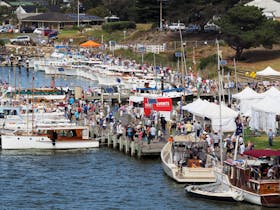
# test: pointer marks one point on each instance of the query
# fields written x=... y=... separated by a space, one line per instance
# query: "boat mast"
x=184 y=69
x=32 y=102
x=220 y=101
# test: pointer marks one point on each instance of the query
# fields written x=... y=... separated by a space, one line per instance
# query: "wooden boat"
x=185 y=160
x=250 y=177
x=53 y=137
x=214 y=191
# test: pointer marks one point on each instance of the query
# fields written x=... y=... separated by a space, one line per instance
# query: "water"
x=24 y=79
x=88 y=179
x=92 y=179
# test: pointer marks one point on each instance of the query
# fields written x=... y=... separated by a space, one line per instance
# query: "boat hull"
x=184 y=174
x=268 y=200
x=35 y=142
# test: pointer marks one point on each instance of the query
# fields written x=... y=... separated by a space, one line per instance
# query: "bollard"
x=139 y=150
x=110 y=136
x=115 y=142
x=132 y=153
x=127 y=145
x=121 y=144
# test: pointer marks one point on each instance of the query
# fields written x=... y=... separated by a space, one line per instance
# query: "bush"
x=210 y=60
x=109 y=27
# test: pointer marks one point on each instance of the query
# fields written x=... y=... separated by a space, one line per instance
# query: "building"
x=55 y=20
x=271 y=8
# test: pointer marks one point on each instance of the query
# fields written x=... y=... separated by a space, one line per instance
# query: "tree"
x=244 y=27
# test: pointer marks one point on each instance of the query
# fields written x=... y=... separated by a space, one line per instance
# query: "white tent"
x=272 y=92
x=212 y=111
x=270 y=8
x=264 y=114
x=268 y=71
x=247 y=98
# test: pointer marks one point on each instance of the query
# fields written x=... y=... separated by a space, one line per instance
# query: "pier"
x=136 y=148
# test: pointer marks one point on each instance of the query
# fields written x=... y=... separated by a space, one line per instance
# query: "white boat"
x=185 y=161
x=53 y=138
x=214 y=191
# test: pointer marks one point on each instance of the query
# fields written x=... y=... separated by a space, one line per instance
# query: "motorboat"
x=49 y=137
x=251 y=177
x=186 y=160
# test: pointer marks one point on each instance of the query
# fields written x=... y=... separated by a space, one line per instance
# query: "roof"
x=268 y=71
x=247 y=93
x=22 y=3
x=84 y=17
x=257 y=153
x=268 y=6
x=50 y=17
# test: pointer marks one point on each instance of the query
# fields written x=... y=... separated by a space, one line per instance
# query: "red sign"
x=159 y=104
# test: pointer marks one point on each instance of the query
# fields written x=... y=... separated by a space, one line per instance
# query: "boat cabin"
x=260 y=176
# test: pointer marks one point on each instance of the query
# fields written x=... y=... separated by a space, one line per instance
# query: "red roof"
x=262 y=153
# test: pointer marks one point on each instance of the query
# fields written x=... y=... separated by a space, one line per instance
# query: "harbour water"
x=92 y=179
x=23 y=79
x=88 y=179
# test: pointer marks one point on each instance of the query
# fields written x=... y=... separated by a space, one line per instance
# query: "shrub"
x=210 y=60
x=109 y=27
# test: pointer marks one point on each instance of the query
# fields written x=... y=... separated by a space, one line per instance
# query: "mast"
x=220 y=102
x=184 y=69
x=32 y=102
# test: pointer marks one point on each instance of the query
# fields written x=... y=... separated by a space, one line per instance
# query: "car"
x=38 y=31
x=53 y=35
x=177 y=27
x=192 y=28
x=21 y=40
x=211 y=27
x=26 y=30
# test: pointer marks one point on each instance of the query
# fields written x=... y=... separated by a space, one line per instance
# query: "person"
x=270 y=135
x=54 y=137
x=241 y=148
x=119 y=130
x=271 y=173
x=170 y=139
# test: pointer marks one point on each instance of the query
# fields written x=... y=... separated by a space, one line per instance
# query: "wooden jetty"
x=136 y=148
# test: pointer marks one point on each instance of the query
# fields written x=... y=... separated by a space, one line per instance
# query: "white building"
x=271 y=8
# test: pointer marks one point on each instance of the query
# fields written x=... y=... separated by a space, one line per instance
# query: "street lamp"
x=124 y=33
x=160 y=13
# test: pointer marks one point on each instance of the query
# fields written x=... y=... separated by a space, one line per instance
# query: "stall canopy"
x=257 y=153
x=247 y=98
x=264 y=114
x=272 y=92
x=268 y=71
x=90 y=43
x=205 y=109
x=247 y=93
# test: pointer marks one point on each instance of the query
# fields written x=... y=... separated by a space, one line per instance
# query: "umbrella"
x=90 y=43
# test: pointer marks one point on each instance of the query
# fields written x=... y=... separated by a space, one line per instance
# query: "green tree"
x=244 y=27
x=100 y=11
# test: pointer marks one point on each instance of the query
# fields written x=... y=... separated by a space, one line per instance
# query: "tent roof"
x=272 y=92
x=268 y=104
x=268 y=71
x=247 y=93
x=262 y=153
x=90 y=43
x=210 y=110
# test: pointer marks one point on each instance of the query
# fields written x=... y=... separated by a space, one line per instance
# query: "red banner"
x=159 y=104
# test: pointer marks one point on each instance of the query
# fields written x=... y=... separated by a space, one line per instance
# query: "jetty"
x=136 y=148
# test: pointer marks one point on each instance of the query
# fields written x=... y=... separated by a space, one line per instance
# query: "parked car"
x=21 y=40
x=177 y=26
x=53 y=35
x=38 y=31
x=26 y=30
x=211 y=27
x=192 y=28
